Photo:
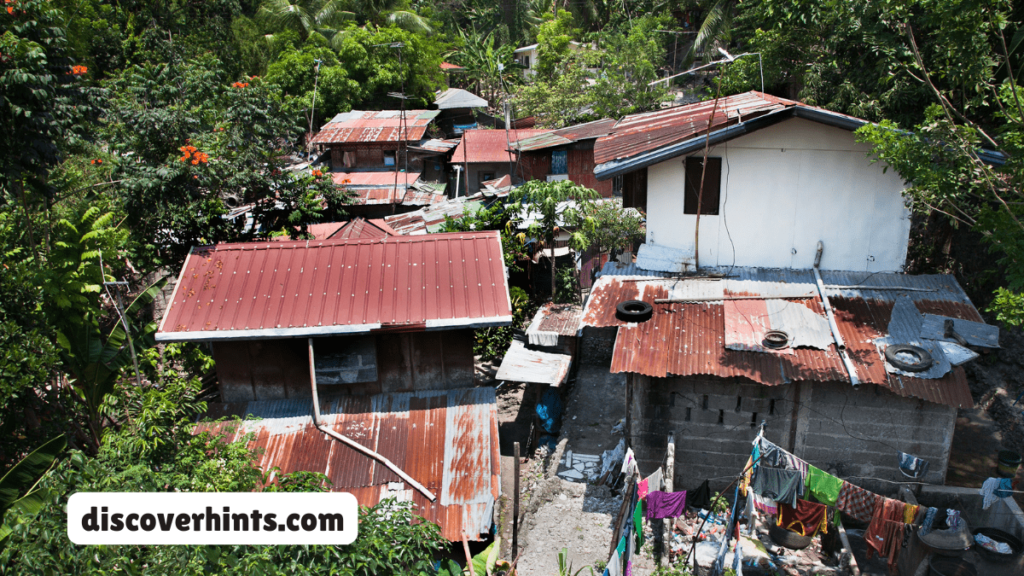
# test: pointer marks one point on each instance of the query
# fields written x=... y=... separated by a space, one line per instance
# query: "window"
x=712 y=185
x=345 y=360
x=559 y=162
x=526 y=61
x=389 y=158
x=634 y=190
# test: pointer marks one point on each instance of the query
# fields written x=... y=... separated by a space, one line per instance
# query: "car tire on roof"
x=634 y=311
x=908 y=357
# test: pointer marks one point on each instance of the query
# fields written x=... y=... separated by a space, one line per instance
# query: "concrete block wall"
x=714 y=421
x=858 y=432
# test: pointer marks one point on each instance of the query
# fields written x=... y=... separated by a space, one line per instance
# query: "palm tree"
x=328 y=17
x=486 y=66
x=714 y=30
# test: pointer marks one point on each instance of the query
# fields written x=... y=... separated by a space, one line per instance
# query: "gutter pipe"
x=833 y=327
x=352 y=443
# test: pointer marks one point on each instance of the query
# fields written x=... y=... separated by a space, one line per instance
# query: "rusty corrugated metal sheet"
x=556 y=320
x=363 y=228
x=446 y=440
x=381 y=126
x=427 y=219
x=567 y=135
x=375 y=179
x=414 y=197
x=520 y=364
x=319 y=231
x=639 y=133
x=311 y=288
x=689 y=339
x=489 y=145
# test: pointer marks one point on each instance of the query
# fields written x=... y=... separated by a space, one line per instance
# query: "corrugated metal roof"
x=689 y=339
x=554 y=320
x=520 y=364
x=436 y=145
x=415 y=197
x=458 y=98
x=489 y=145
x=446 y=440
x=429 y=219
x=638 y=133
x=311 y=288
x=568 y=135
x=663 y=258
x=375 y=126
x=375 y=179
x=319 y=231
x=363 y=228
x=613 y=268
x=748 y=321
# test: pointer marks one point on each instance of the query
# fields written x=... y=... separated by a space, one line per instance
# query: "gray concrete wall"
x=858 y=432
x=848 y=432
x=713 y=420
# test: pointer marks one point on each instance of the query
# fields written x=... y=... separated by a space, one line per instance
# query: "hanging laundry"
x=823 y=486
x=629 y=463
x=614 y=565
x=701 y=497
x=912 y=466
x=763 y=504
x=887 y=541
x=857 y=502
x=992 y=489
x=638 y=520
x=748 y=470
x=794 y=463
x=929 y=518
x=641 y=489
x=806 y=518
x=879 y=531
x=909 y=513
x=778 y=484
x=654 y=480
x=665 y=505
x=1005 y=489
x=771 y=455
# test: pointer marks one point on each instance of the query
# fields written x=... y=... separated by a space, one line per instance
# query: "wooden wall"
x=274 y=369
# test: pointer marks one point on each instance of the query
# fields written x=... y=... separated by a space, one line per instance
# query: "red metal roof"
x=640 y=133
x=310 y=288
x=355 y=179
x=380 y=126
x=363 y=228
x=561 y=319
x=489 y=145
x=565 y=136
x=319 y=231
x=686 y=339
x=446 y=440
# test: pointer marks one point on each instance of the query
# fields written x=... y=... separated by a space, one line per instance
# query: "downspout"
x=352 y=443
x=833 y=327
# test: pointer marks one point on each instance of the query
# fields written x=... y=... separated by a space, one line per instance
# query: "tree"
x=564 y=100
x=550 y=206
x=610 y=227
x=554 y=44
x=489 y=67
x=629 y=63
x=185 y=143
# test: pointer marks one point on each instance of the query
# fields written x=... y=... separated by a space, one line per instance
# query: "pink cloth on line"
x=642 y=489
x=665 y=504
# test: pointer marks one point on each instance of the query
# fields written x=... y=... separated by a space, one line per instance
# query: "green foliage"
x=174 y=199
x=18 y=489
x=489 y=64
x=1008 y=307
x=554 y=44
x=630 y=62
x=565 y=565
x=492 y=343
x=611 y=228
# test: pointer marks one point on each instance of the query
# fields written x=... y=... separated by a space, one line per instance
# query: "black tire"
x=923 y=363
x=634 y=311
x=787 y=539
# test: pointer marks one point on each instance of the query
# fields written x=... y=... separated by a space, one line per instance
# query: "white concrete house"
x=527 y=58
x=781 y=176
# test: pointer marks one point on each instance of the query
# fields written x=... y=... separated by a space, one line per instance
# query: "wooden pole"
x=515 y=503
x=854 y=569
x=469 y=558
x=670 y=470
x=627 y=496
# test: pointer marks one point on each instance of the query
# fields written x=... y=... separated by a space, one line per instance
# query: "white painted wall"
x=784 y=188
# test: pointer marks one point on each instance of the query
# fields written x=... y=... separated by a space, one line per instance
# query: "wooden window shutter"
x=712 y=186
x=634 y=190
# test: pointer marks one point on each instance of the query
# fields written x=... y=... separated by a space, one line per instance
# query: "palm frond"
x=410 y=22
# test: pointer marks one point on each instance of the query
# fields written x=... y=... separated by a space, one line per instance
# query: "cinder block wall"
x=714 y=421
x=848 y=432
x=858 y=432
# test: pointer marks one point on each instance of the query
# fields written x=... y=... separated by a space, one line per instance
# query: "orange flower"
x=317 y=172
x=97 y=161
x=196 y=161
x=75 y=70
x=10 y=10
